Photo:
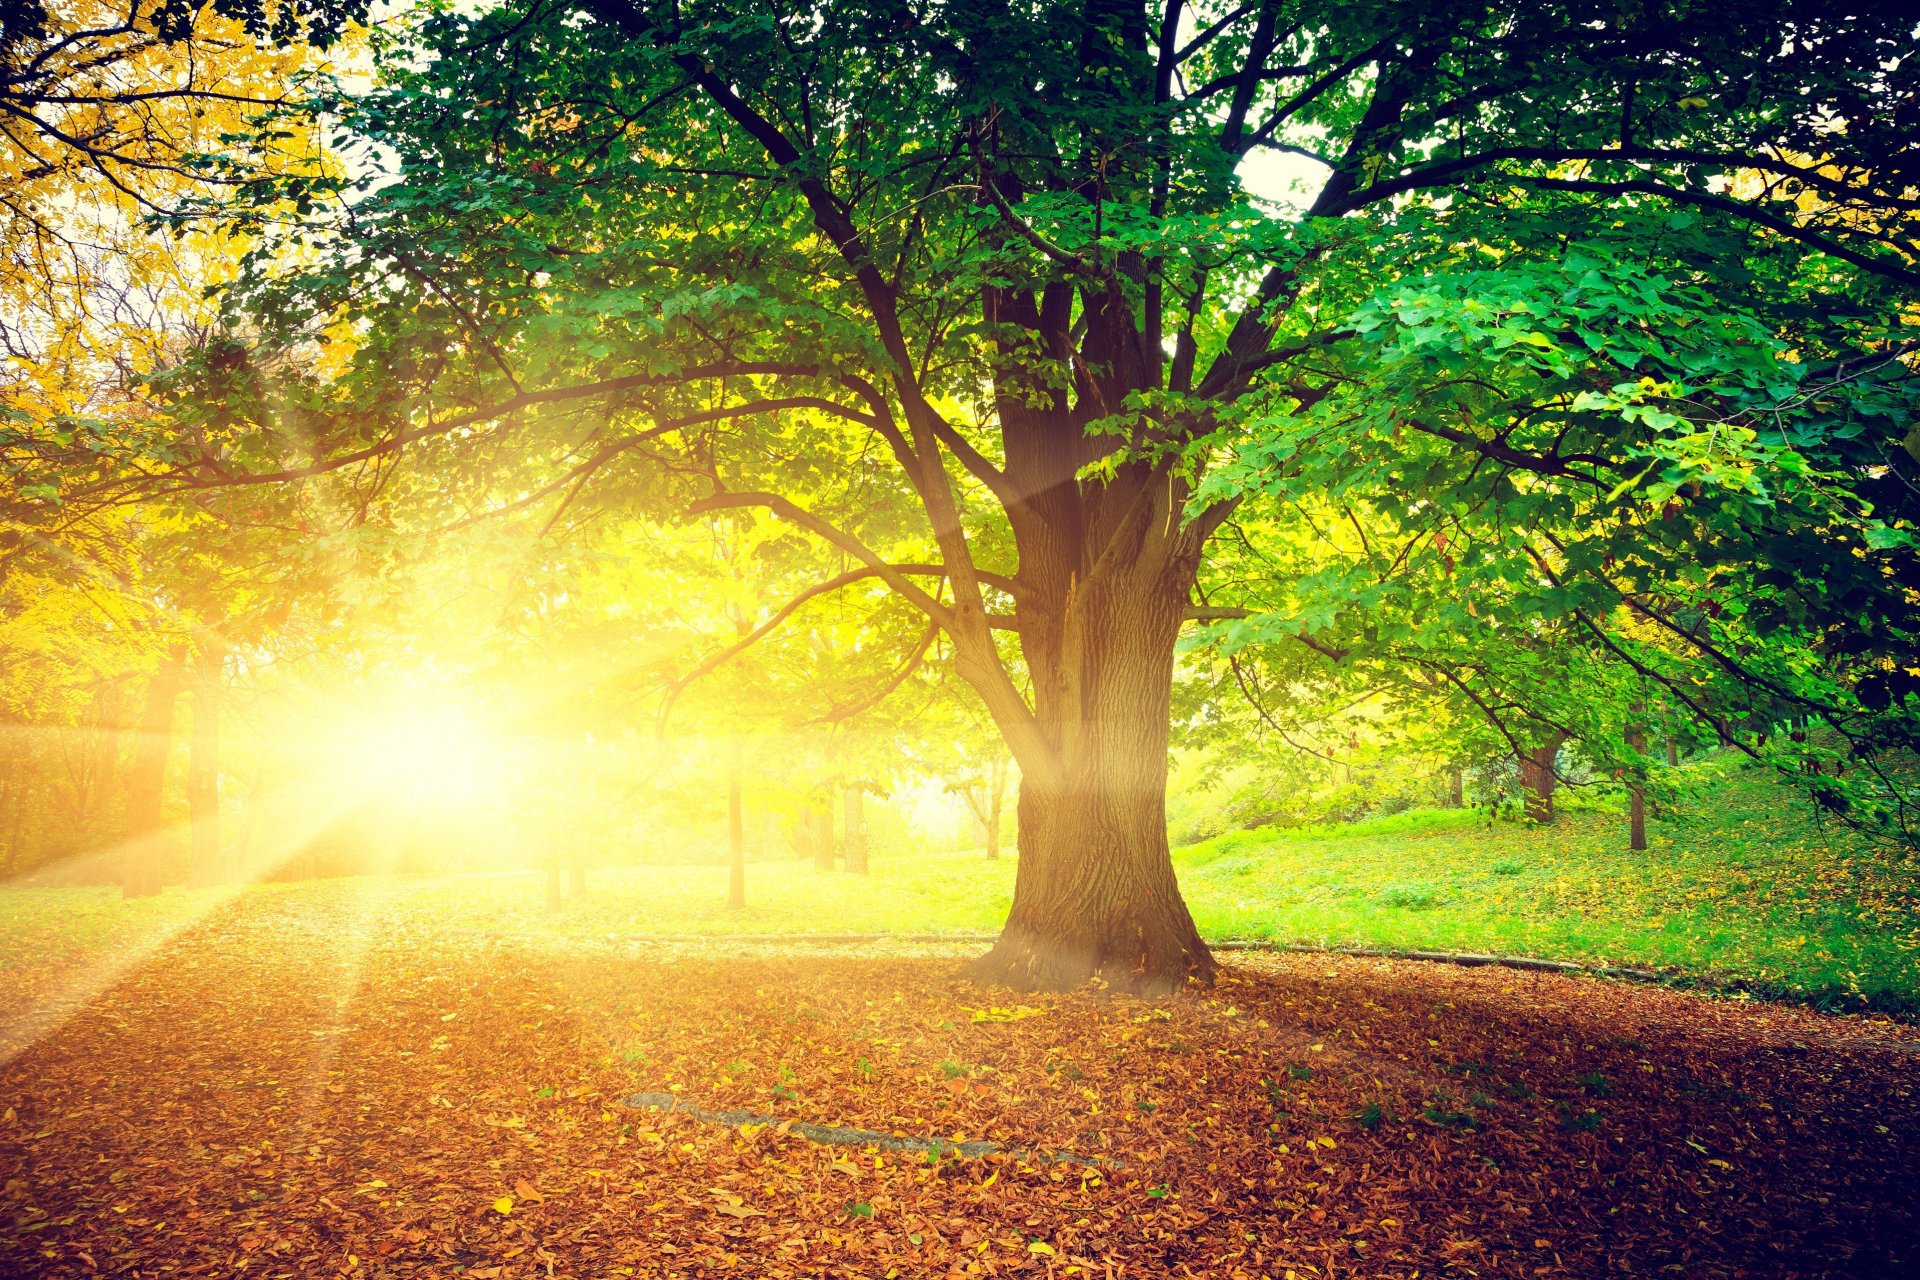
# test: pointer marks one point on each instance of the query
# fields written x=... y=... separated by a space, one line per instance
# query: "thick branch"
x=221 y=478
x=787 y=510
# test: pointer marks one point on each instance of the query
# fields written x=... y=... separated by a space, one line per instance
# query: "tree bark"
x=203 y=770
x=146 y=778
x=1095 y=895
x=1456 y=788
x=736 y=843
x=854 y=837
x=1637 y=796
x=1537 y=777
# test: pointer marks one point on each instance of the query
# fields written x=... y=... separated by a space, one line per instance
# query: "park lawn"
x=1747 y=884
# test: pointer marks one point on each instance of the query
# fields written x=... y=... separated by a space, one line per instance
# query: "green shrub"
x=1413 y=897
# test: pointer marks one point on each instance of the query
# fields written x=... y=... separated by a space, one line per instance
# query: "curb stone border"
x=834 y=1135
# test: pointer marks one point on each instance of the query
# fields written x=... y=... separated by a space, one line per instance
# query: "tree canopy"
x=1572 y=381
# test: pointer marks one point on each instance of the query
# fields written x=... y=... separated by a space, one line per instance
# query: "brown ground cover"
x=294 y=1089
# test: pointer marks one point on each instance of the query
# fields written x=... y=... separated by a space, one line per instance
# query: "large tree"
x=973 y=295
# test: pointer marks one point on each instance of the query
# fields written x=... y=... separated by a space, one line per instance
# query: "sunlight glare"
x=425 y=757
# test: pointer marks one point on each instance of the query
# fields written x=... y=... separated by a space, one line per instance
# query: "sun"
x=431 y=756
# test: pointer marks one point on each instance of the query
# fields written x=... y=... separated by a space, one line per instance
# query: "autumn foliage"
x=340 y=1085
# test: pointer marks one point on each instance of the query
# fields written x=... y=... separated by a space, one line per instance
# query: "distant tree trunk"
x=1637 y=796
x=996 y=803
x=12 y=807
x=736 y=843
x=146 y=777
x=820 y=823
x=203 y=769
x=92 y=767
x=1456 y=788
x=854 y=840
x=577 y=876
x=555 y=894
x=1537 y=776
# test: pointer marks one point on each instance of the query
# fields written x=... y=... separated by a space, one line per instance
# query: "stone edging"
x=834 y=1135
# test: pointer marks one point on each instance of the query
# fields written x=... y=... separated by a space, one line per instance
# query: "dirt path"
x=341 y=1088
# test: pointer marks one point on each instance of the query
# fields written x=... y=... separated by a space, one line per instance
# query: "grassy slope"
x=1749 y=885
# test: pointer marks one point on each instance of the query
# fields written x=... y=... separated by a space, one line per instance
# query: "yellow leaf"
x=503 y=1206
x=995 y=1013
x=991 y=1178
x=1040 y=1246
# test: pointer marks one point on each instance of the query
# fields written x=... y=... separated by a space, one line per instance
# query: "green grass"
x=1748 y=886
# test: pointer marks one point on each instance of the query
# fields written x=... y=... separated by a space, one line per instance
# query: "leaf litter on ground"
x=463 y=1114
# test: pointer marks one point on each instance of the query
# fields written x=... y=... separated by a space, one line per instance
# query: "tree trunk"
x=854 y=838
x=577 y=876
x=820 y=824
x=1537 y=777
x=1637 y=797
x=555 y=896
x=1095 y=895
x=1456 y=788
x=146 y=778
x=203 y=770
x=12 y=807
x=996 y=802
x=736 y=843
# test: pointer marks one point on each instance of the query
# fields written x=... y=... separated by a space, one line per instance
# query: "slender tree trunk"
x=1456 y=788
x=577 y=876
x=11 y=807
x=1094 y=894
x=1537 y=777
x=203 y=769
x=555 y=889
x=1637 y=796
x=996 y=805
x=736 y=843
x=820 y=823
x=147 y=775
x=854 y=839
